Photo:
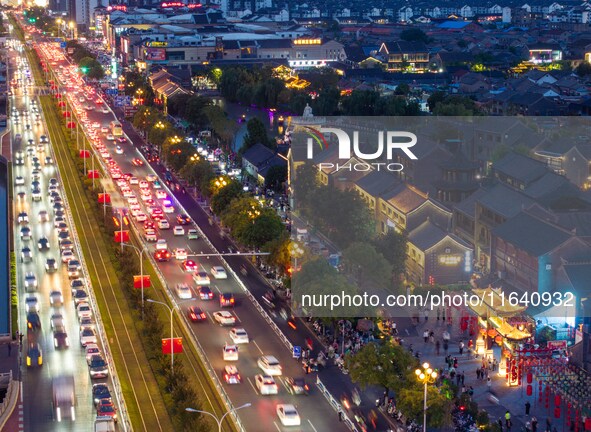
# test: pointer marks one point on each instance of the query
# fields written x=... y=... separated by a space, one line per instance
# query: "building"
x=403 y=56
x=544 y=53
x=259 y=159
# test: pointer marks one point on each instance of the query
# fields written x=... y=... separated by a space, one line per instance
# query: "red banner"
x=137 y=281
x=121 y=236
x=93 y=174
x=84 y=154
x=104 y=198
x=177 y=346
x=71 y=125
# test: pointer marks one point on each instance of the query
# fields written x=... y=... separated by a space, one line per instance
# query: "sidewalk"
x=15 y=422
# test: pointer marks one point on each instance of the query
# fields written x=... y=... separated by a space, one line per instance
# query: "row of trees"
x=85 y=60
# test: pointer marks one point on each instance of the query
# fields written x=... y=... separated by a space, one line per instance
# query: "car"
x=183 y=291
x=67 y=255
x=230 y=352
x=161 y=244
x=119 y=150
x=140 y=216
x=76 y=284
x=201 y=278
x=21 y=195
x=60 y=337
x=178 y=231
x=182 y=219
x=19 y=180
x=98 y=367
x=205 y=293
x=297 y=386
x=74 y=267
x=150 y=235
x=110 y=137
x=190 y=266
x=163 y=224
x=224 y=318
x=157 y=185
x=227 y=300
x=231 y=375
x=43 y=139
x=25 y=233
x=239 y=336
x=269 y=365
x=87 y=335
x=161 y=194
x=43 y=244
x=288 y=415
x=196 y=314
x=56 y=320
x=48 y=160
x=133 y=181
x=56 y=298
x=100 y=392
x=30 y=281
x=167 y=206
x=180 y=254
x=151 y=177
x=104 y=129
x=33 y=321
x=87 y=322
x=137 y=162
x=43 y=216
x=106 y=409
x=192 y=234
x=65 y=245
x=80 y=296
x=162 y=255
x=144 y=184
x=34 y=355
x=23 y=218
x=266 y=384
x=50 y=265
x=36 y=194
x=83 y=310
x=31 y=304
x=218 y=272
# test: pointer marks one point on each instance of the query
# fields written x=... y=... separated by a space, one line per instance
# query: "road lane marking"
x=211 y=317
x=258 y=347
x=312 y=426
x=252 y=385
x=278 y=428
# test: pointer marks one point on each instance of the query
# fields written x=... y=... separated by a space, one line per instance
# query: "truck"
x=64 y=397
x=104 y=424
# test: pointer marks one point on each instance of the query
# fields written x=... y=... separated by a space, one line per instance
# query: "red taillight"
x=193 y=316
x=203 y=315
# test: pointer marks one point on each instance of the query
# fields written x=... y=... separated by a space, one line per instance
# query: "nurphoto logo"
x=387 y=142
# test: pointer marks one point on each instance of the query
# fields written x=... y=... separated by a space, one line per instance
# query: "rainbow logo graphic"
x=315 y=135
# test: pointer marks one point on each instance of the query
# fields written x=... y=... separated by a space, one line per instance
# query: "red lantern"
x=492 y=333
x=557 y=400
x=557 y=412
x=499 y=339
x=529 y=390
x=588 y=424
x=529 y=377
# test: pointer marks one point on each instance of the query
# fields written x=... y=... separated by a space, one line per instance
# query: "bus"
x=116 y=128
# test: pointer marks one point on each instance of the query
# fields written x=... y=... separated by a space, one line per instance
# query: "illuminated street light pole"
x=220 y=420
x=425 y=376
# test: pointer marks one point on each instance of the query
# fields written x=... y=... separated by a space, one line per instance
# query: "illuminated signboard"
x=450 y=260
x=194 y=5
x=157 y=44
x=154 y=54
x=171 y=5
x=307 y=42
x=121 y=8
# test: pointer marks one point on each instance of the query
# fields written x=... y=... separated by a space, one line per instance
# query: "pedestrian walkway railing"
x=9 y=402
x=336 y=405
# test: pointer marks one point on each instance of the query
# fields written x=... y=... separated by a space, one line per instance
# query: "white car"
x=231 y=375
x=83 y=310
x=19 y=180
x=43 y=216
x=163 y=224
x=201 y=278
x=87 y=336
x=119 y=150
x=266 y=384
x=224 y=318
x=288 y=415
x=151 y=235
x=161 y=244
x=133 y=181
x=230 y=353
x=57 y=320
x=218 y=272
x=168 y=207
x=32 y=304
x=269 y=365
x=56 y=298
x=141 y=216
x=239 y=336
x=178 y=231
x=67 y=256
x=180 y=254
x=92 y=349
x=160 y=194
x=144 y=184
x=110 y=137
x=183 y=291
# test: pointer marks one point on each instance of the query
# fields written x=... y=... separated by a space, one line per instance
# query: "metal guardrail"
x=9 y=401
x=124 y=416
x=336 y=405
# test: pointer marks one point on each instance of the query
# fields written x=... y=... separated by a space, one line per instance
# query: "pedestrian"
x=478 y=374
x=489 y=383
x=445 y=346
x=341 y=416
x=9 y=348
x=426 y=335
x=426 y=315
x=437 y=346
x=500 y=423
x=527 y=408
x=20 y=335
x=548 y=424
x=461 y=347
x=438 y=313
x=507 y=419
x=528 y=427
x=534 y=424
x=458 y=379
x=463 y=377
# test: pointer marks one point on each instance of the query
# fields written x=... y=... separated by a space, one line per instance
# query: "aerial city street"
x=260 y=216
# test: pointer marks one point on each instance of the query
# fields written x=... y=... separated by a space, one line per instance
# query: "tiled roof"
x=258 y=154
x=520 y=167
x=377 y=182
x=531 y=234
x=405 y=198
x=426 y=235
x=504 y=200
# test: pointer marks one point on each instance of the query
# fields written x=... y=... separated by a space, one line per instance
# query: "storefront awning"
x=507 y=330
x=495 y=302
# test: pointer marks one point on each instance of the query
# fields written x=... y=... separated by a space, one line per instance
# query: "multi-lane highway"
x=315 y=412
x=33 y=161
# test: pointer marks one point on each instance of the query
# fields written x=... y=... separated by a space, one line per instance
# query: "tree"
x=392 y=246
x=177 y=155
x=265 y=228
x=402 y=89
x=410 y=401
x=177 y=104
x=276 y=178
x=223 y=127
x=327 y=102
x=194 y=111
x=435 y=99
x=256 y=133
x=198 y=174
x=415 y=35
x=279 y=253
x=583 y=69
x=145 y=118
x=222 y=199
x=386 y=365
x=364 y=261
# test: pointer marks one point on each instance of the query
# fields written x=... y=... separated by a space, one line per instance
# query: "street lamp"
x=71 y=25
x=425 y=376
x=141 y=254
x=220 y=420
x=171 y=310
